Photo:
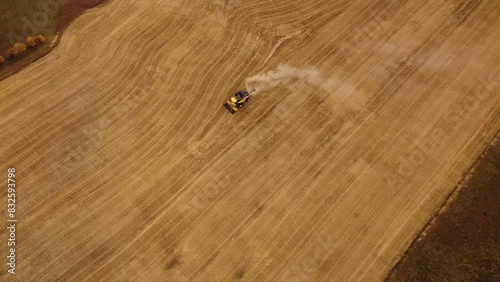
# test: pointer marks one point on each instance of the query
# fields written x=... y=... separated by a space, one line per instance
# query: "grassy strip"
x=31 y=17
x=22 y=19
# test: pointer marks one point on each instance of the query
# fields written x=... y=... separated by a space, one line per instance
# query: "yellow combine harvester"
x=239 y=98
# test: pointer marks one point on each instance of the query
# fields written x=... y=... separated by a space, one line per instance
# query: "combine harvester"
x=239 y=98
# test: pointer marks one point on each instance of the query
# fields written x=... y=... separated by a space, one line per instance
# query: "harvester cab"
x=239 y=98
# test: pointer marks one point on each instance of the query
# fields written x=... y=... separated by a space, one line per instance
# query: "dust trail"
x=283 y=74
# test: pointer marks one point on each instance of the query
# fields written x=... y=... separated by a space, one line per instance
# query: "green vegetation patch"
x=22 y=19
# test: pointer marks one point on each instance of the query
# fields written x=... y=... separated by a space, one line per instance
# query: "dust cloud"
x=283 y=74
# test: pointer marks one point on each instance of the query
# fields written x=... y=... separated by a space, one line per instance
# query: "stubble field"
x=129 y=168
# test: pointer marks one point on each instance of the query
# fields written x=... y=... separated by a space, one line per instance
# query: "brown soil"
x=71 y=9
x=13 y=66
x=463 y=242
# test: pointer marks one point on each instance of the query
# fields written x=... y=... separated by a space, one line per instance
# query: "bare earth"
x=129 y=168
x=462 y=243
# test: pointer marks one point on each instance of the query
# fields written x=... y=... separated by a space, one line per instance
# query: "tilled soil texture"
x=70 y=9
x=463 y=242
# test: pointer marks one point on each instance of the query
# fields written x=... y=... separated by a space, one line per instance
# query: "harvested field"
x=463 y=242
x=129 y=168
